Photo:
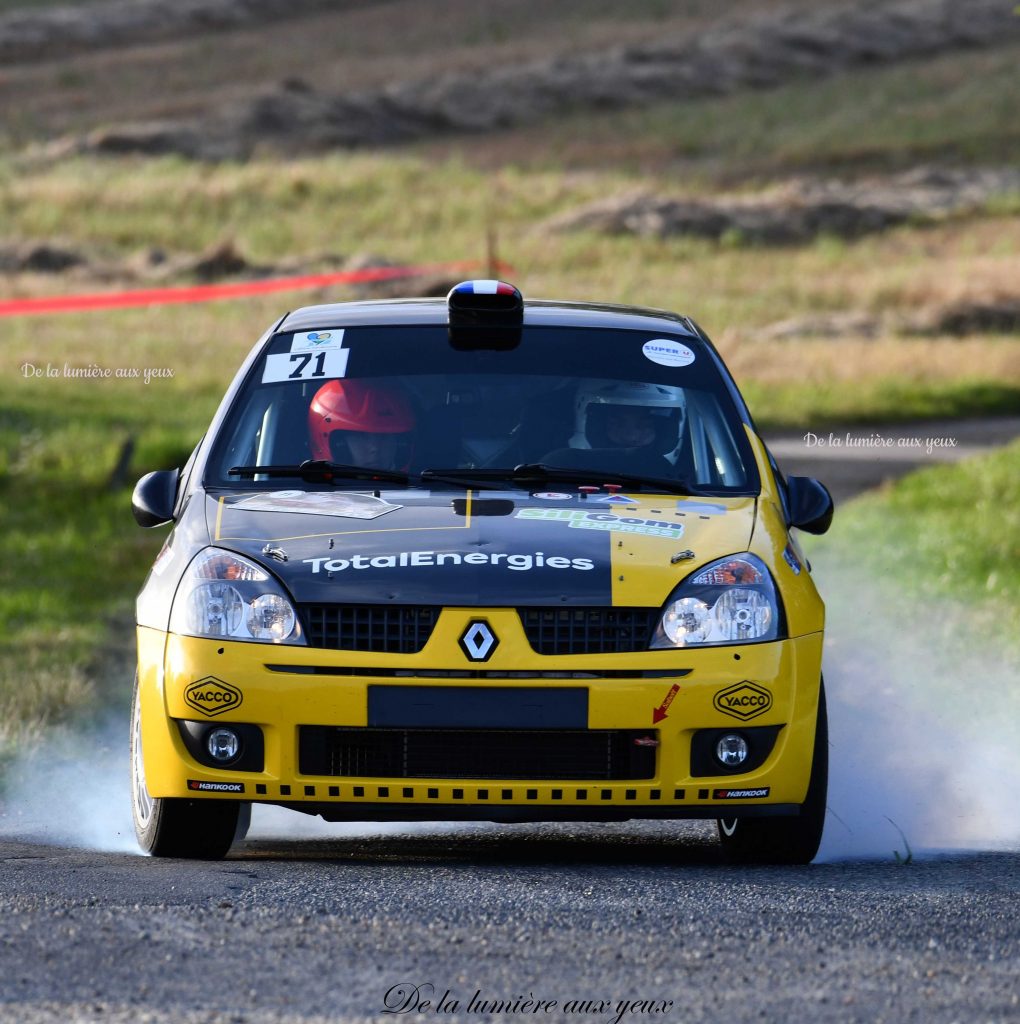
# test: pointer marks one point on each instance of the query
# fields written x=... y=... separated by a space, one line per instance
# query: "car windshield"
x=587 y=402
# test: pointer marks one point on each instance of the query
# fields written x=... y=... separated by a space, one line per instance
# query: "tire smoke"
x=923 y=731
x=73 y=789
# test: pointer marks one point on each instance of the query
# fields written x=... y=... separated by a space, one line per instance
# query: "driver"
x=625 y=414
x=361 y=423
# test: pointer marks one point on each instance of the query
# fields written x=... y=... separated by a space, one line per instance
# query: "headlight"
x=225 y=595
x=731 y=601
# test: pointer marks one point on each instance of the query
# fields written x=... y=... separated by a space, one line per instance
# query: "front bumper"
x=663 y=699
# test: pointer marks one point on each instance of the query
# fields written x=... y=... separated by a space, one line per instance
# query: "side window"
x=246 y=440
x=713 y=454
x=185 y=477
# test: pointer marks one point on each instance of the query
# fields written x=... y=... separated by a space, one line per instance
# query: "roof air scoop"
x=485 y=315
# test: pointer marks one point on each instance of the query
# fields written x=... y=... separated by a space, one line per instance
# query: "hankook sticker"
x=740 y=794
x=319 y=503
x=667 y=352
x=216 y=787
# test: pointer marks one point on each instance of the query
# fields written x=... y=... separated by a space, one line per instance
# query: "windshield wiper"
x=474 y=479
x=320 y=471
x=542 y=473
x=538 y=472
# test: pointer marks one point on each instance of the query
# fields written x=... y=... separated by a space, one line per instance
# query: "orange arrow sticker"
x=659 y=713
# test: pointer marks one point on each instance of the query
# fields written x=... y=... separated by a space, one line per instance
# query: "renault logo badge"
x=478 y=641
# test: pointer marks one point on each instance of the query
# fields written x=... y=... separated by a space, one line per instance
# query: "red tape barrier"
x=212 y=292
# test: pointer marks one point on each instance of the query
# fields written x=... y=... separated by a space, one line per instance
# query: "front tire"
x=170 y=827
x=785 y=840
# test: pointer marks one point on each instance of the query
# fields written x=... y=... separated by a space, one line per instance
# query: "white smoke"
x=269 y=822
x=924 y=735
x=72 y=788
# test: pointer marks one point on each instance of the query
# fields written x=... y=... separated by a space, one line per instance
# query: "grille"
x=382 y=629
x=593 y=754
x=588 y=630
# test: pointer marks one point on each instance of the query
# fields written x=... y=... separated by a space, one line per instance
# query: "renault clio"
x=481 y=559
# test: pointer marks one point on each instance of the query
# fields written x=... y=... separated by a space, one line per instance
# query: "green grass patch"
x=922 y=581
x=73 y=555
x=825 y=404
x=948 y=531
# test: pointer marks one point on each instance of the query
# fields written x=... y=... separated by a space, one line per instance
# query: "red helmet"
x=355 y=405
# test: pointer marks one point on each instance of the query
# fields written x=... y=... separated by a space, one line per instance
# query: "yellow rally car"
x=481 y=559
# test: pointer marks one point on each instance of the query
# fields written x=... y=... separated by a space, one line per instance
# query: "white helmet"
x=597 y=398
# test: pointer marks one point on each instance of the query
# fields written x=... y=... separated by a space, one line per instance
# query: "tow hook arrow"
x=659 y=713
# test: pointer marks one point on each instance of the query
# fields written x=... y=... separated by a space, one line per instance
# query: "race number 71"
x=305 y=365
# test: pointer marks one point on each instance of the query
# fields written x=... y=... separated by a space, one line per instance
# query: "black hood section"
x=415 y=547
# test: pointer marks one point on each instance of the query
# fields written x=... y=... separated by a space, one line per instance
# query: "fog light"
x=223 y=745
x=731 y=750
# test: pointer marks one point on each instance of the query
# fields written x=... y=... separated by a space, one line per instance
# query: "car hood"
x=474 y=548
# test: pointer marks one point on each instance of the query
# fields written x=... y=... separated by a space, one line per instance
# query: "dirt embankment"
x=802 y=209
x=761 y=52
x=27 y=35
x=222 y=261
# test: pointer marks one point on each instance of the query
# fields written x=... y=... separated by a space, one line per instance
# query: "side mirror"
x=152 y=501
x=811 y=504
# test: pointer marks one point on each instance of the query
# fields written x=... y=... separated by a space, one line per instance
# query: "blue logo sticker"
x=700 y=508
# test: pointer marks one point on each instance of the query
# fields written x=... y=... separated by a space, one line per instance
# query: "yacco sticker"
x=318 y=503
x=581 y=520
x=740 y=794
x=553 y=496
x=323 y=364
x=317 y=341
x=216 y=787
x=745 y=700
x=433 y=559
x=700 y=508
x=212 y=696
x=667 y=352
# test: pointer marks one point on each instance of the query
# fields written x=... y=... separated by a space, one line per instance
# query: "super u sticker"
x=667 y=352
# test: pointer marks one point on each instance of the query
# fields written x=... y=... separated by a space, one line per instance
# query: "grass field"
x=948 y=538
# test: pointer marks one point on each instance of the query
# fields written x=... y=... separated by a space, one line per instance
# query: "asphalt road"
x=850 y=460
x=343 y=929
x=629 y=922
